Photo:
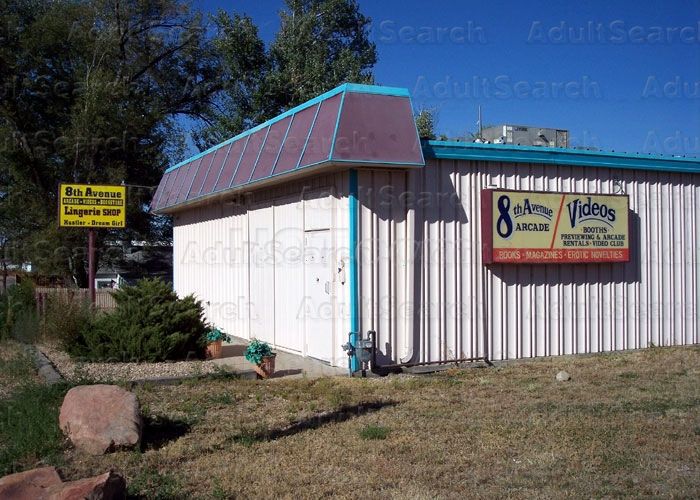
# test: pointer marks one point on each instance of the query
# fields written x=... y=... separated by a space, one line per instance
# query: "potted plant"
x=260 y=354
x=215 y=338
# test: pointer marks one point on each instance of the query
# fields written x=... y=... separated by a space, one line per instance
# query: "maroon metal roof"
x=353 y=124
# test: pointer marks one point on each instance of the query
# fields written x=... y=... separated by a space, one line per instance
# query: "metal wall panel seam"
x=248 y=267
x=442 y=228
x=458 y=277
x=392 y=260
x=374 y=242
x=274 y=261
x=410 y=242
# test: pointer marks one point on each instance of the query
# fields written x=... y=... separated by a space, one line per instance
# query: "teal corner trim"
x=450 y=150
x=353 y=208
x=337 y=125
x=415 y=125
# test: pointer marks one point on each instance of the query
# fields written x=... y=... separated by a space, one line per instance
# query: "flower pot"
x=266 y=367
x=214 y=350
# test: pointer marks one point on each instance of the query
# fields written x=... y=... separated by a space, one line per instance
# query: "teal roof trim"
x=450 y=150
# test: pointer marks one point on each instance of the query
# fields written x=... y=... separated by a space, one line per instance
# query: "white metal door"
x=317 y=309
x=289 y=274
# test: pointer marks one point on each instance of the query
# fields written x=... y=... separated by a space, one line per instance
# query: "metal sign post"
x=91 y=264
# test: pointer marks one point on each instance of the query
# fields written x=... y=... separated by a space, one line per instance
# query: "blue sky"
x=619 y=75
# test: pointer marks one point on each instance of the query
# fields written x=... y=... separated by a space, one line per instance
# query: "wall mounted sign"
x=532 y=227
x=91 y=206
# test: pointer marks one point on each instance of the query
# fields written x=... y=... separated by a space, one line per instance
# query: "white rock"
x=563 y=376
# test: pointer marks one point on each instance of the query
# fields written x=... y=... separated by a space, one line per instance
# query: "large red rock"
x=28 y=485
x=46 y=484
x=108 y=486
x=101 y=418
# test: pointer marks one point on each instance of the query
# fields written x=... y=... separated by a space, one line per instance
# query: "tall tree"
x=91 y=92
x=320 y=44
x=244 y=64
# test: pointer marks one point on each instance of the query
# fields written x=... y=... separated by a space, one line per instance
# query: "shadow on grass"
x=159 y=431
x=338 y=415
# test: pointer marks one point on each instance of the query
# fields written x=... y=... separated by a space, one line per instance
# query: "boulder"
x=108 y=486
x=46 y=484
x=563 y=376
x=29 y=485
x=101 y=418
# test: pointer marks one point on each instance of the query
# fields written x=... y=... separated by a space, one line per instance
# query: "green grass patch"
x=152 y=484
x=29 y=432
x=374 y=432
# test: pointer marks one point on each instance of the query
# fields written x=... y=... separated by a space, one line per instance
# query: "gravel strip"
x=129 y=372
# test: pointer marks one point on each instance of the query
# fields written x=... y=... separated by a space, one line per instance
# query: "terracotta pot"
x=267 y=367
x=214 y=350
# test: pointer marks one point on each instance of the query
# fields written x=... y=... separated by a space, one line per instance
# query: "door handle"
x=328 y=288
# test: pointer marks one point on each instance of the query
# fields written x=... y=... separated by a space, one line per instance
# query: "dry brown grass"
x=626 y=425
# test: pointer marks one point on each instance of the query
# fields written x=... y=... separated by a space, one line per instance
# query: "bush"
x=150 y=323
x=66 y=318
x=17 y=307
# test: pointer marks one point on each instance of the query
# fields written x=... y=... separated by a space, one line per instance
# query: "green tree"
x=425 y=123
x=320 y=45
x=91 y=93
x=244 y=66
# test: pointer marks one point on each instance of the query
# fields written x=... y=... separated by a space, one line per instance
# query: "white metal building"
x=339 y=220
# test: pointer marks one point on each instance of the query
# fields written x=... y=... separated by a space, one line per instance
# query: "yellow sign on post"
x=91 y=206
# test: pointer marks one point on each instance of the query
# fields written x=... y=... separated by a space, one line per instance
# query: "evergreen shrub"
x=150 y=323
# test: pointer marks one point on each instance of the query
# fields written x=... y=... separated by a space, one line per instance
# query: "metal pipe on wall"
x=353 y=207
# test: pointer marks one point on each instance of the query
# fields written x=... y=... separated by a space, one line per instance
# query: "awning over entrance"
x=351 y=124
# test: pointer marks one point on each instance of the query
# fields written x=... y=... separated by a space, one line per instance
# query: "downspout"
x=353 y=208
x=410 y=283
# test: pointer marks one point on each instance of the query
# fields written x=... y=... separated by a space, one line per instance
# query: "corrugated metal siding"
x=445 y=304
x=241 y=258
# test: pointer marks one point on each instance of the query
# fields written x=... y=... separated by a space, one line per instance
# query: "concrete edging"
x=45 y=369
